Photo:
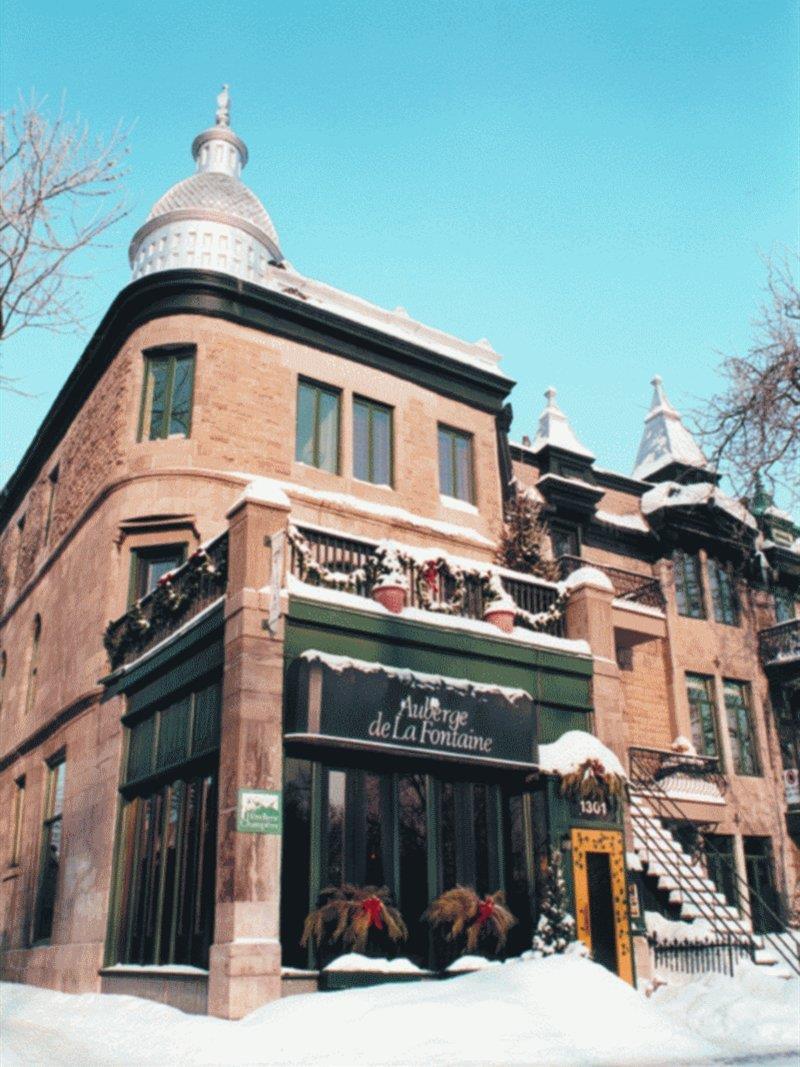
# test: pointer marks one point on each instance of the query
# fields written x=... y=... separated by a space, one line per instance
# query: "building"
x=249 y=471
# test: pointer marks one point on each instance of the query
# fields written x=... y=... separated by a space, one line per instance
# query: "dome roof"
x=218 y=193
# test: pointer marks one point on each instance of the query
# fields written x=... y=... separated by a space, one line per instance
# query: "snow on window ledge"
x=458 y=505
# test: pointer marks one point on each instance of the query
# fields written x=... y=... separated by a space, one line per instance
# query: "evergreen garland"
x=525 y=541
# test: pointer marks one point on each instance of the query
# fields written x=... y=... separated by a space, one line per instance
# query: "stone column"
x=245 y=965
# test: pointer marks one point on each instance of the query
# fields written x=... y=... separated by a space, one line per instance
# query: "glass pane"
x=173 y=734
x=181 y=414
x=296 y=864
x=446 y=472
x=739 y=728
x=48 y=881
x=336 y=828
x=328 y=435
x=481 y=813
x=157 y=395
x=413 y=830
x=701 y=710
x=304 y=445
x=381 y=446
x=373 y=868
x=59 y=778
x=140 y=749
x=207 y=708
x=447 y=837
x=361 y=464
x=171 y=852
x=463 y=458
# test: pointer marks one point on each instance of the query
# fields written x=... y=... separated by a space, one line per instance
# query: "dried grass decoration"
x=481 y=922
x=591 y=781
x=347 y=915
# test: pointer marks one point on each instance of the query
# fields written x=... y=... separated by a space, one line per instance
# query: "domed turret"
x=211 y=220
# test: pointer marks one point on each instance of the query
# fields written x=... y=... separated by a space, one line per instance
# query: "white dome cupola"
x=211 y=220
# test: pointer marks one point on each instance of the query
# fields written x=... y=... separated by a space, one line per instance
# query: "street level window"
x=765 y=906
x=164 y=911
x=50 y=856
x=723 y=592
x=721 y=866
x=317 y=442
x=167 y=395
x=740 y=727
x=456 y=474
x=700 y=691
x=372 y=442
x=688 y=584
x=150 y=564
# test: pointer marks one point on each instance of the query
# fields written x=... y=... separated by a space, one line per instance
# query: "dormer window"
x=167 y=393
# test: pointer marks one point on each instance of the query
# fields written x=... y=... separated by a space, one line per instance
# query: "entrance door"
x=601 y=901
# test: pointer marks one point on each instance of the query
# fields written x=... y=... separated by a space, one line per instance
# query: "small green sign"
x=258 y=811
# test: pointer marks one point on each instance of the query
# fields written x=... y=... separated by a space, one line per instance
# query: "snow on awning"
x=573 y=749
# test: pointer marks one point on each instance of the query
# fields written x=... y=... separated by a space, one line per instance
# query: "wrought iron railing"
x=714 y=954
x=179 y=596
x=780 y=643
x=628 y=585
x=664 y=765
x=350 y=556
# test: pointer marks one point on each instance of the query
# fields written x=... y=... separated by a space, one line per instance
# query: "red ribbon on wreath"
x=485 y=909
x=431 y=575
x=374 y=909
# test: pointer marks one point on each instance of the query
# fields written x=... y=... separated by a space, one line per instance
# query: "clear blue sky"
x=587 y=183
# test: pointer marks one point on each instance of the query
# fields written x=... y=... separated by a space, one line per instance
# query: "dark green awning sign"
x=373 y=705
x=258 y=811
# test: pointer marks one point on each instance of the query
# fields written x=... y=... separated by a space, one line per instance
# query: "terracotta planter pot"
x=392 y=597
x=502 y=618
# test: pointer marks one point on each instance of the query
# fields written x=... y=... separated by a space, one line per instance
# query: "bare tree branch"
x=60 y=190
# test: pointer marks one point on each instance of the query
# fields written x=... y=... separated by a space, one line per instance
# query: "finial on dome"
x=550 y=394
x=223 y=113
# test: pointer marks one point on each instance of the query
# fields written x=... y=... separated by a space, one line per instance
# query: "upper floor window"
x=700 y=691
x=565 y=540
x=784 y=604
x=52 y=489
x=688 y=584
x=372 y=442
x=33 y=664
x=167 y=395
x=740 y=727
x=317 y=442
x=456 y=476
x=50 y=856
x=16 y=825
x=149 y=564
x=723 y=592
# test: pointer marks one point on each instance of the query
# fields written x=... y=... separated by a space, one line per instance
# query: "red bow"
x=374 y=909
x=485 y=909
x=431 y=574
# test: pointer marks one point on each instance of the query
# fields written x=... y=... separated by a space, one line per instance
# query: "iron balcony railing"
x=781 y=643
x=720 y=954
x=343 y=555
x=179 y=596
x=664 y=765
x=628 y=585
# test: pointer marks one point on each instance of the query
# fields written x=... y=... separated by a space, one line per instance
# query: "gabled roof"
x=554 y=430
x=665 y=440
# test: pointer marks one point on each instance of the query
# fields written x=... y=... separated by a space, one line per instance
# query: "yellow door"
x=601 y=902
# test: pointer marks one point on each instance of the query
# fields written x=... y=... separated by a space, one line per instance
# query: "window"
x=16 y=824
x=150 y=564
x=740 y=727
x=372 y=442
x=688 y=584
x=3 y=672
x=50 y=857
x=167 y=395
x=700 y=691
x=166 y=851
x=52 y=487
x=565 y=540
x=765 y=907
x=455 y=465
x=784 y=604
x=33 y=664
x=722 y=865
x=723 y=592
x=20 y=543
x=317 y=441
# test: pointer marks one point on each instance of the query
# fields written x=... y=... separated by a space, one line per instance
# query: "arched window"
x=33 y=666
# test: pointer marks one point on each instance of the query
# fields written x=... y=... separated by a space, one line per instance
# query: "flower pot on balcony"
x=501 y=613
x=392 y=597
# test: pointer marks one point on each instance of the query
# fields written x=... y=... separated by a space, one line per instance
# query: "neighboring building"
x=243 y=462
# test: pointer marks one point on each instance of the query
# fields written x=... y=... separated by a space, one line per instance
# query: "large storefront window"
x=417 y=833
x=166 y=847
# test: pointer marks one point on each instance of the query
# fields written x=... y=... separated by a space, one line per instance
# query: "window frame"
x=710 y=702
x=52 y=485
x=784 y=601
x=171 y=355
x=148 y=553
x=742 y=710
x=50 y=817
x=371 y=407
x=33 y=664
x=680 y=559
x=725 y=601
x=319 y=388
x=454 y=435
x=18 y=809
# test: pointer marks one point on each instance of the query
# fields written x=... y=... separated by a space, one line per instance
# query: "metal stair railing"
x=643 y=780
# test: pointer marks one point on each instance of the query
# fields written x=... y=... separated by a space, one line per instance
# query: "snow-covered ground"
x=560 y=1010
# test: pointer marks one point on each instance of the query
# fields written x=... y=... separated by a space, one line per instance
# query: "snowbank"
x=559 y=1010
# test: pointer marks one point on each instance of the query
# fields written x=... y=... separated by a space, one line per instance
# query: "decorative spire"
x=223 y=114
x=555 y=430
x=218 y=150
x=665 y=440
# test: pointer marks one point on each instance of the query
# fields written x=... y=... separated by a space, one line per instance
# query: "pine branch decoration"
x=481 y=922
x=348 y=914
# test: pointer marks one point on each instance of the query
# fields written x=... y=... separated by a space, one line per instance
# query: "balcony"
x=179 y=596
x=681 y=775
x=780 y=644
x=628 y=585
x=325 y=557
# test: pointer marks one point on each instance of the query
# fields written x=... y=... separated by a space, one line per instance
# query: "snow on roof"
x=554 y=429
x=627 y=521
x=572 y=749
x=675 y=495
x=665 y=439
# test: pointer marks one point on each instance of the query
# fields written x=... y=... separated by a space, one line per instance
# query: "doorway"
x=601 y=899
